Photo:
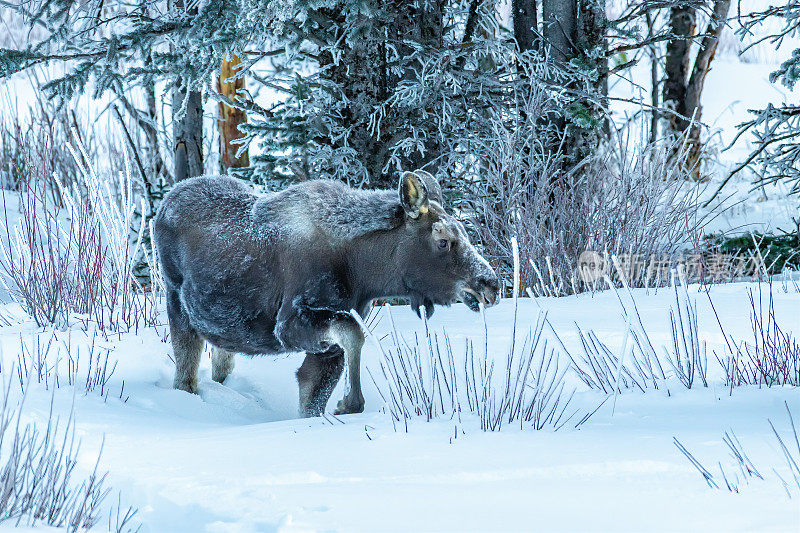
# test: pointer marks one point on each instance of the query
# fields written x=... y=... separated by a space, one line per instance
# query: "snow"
x=732 y=89
x=235 y=458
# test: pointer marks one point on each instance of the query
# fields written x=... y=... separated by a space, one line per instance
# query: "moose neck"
x=375 y=270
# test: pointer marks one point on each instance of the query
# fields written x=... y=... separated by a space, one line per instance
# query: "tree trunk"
x=525 y=23
x=187 y=131
x=592 y=36
x=560 y=28
x=682 y=92
x=430 y=23
x=682 y=21
x=156 y=163
x=526 y=26
x=561 y=45
x=591 y=33
x=654 y=81
x=230 y=118
x=187 y=124
x=702 y=65
x=364 y=71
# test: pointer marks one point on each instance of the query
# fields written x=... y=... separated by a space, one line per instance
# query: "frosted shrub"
x=637 y=365
x=39 y=483
x=735 y=478
x=630 y=203
x=771 y=357
x=428 y=377
x=73 y=252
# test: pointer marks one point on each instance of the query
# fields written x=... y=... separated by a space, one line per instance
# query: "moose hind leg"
x=222 y=362
x=317 y=377
x=186 y=345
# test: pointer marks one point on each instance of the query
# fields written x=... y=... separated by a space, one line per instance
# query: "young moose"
x=279 y=272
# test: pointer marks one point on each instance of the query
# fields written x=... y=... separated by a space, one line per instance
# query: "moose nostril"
x=489 y=287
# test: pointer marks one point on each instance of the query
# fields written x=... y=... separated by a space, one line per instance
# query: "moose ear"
x=432 y=184
x=413 y=195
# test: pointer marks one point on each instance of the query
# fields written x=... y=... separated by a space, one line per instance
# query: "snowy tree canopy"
x=362 y=89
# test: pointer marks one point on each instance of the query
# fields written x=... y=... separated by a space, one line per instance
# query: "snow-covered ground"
x=235 y=458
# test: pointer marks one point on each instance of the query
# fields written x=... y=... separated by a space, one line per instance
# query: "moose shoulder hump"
x=332 y=208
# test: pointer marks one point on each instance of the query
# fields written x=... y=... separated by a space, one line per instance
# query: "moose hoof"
x=190 y=387
x=349 y=405
x=310 y=413
x=219 y=375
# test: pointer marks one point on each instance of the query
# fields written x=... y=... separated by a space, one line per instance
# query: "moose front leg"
x=349 y=337
x=318 y=331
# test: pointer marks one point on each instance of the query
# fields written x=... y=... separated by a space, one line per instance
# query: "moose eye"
x=443 y=243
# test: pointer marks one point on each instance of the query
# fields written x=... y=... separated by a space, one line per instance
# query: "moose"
x=256 y=273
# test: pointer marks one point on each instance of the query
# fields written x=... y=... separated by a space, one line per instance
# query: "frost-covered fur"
x=280 y=272
x=332 y=208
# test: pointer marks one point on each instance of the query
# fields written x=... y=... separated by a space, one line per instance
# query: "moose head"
x=440 y=266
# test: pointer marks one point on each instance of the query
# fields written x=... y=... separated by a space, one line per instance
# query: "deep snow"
x=233 y=458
